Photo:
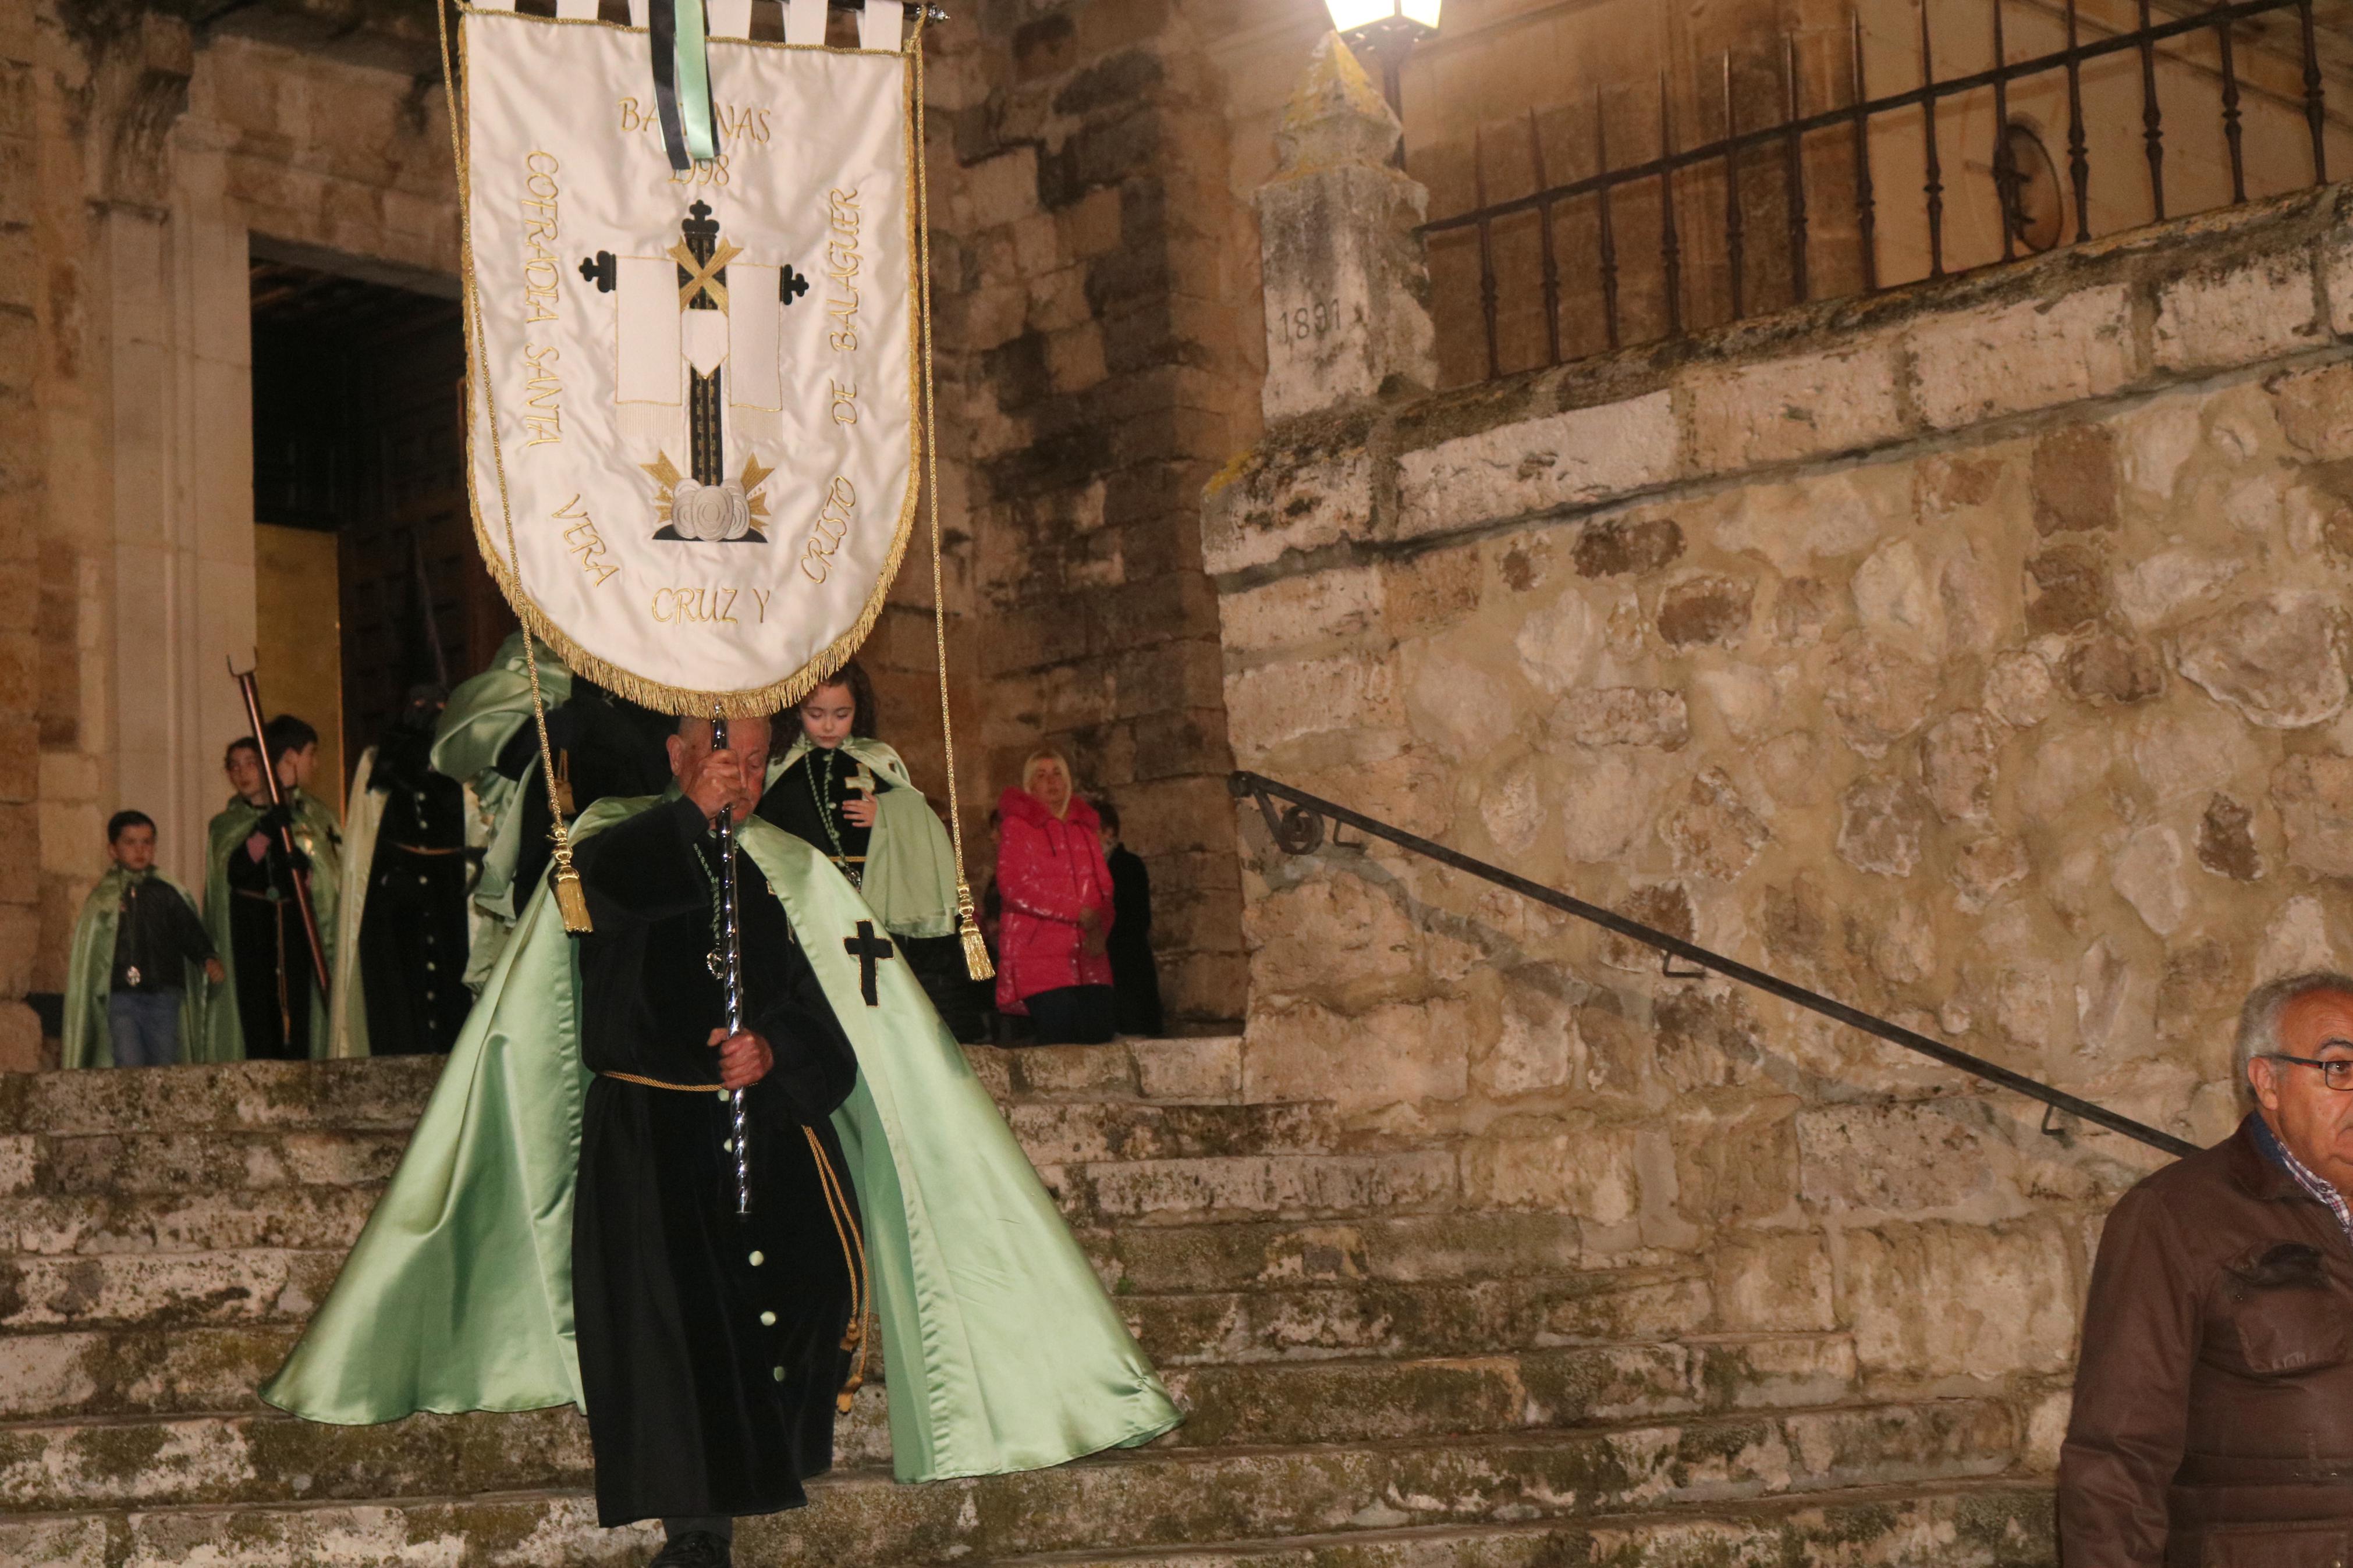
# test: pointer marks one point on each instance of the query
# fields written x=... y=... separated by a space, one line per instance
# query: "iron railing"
x=1298 y=829
x=1784 y=143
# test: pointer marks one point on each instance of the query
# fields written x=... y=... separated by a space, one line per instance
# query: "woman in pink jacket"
x=1056 y=890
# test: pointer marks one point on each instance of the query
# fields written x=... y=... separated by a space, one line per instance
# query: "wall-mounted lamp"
x=1385 y=31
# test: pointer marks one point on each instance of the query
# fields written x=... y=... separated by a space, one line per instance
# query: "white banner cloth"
x=702 y=385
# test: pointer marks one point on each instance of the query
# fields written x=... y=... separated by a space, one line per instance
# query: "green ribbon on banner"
x=694 y=82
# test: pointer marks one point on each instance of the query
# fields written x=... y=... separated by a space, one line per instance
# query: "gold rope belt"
x=845 y=1229
x=657 y=1083
x=424 y=848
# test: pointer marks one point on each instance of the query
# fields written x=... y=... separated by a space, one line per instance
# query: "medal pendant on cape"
x=131 y=974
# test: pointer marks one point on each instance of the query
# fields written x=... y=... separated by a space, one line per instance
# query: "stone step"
x=1413 y=1248
x=119 y=1373
x=1377 y=1318
x=1982 y=1524
x=1157 y=1498
x=241 y=1451
x=314 y=1192
x=1118 y=1161
x=389 y=1092
x=269 y=1457
x=173 y=1164
x=1331 y=1318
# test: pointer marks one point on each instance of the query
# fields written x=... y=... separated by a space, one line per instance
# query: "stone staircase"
x=1376 y=1377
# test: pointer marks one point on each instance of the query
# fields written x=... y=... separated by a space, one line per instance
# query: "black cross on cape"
x=868 y=949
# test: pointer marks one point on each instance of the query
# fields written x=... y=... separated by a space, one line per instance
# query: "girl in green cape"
x=851 y=798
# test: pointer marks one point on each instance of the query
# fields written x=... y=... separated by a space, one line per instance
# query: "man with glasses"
x=2213 y=1413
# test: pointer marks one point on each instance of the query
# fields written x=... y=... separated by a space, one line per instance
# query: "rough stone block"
x=1953 y=1300
x=2277 y=661
x=1772 y=1283
x=1592 y=1173
x=1894 y=1159
x=2264 y=309
x=1979 y=365
x=1003 y=188
x=1277 y=703
x=2315 y=409
x=1313 y=607
x=1251 y=518
x=2315 y=797
x=1399 y=1053
x=1841 y=401
x=1564 y=460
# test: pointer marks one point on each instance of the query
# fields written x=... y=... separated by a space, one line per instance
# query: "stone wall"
x=1090 y=382
x=1974 y=653
x=1092 y=368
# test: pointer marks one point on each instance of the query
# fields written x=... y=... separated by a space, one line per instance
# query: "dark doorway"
x=358 y=431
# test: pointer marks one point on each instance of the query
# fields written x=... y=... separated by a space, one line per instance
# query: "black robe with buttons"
x=710 y=1346
x=413 y=929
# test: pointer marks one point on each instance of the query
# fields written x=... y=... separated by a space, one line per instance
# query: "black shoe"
x=695 y=1549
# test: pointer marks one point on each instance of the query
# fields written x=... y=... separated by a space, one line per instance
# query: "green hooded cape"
x=223 y=1039
x=1003 y=1352
x=482 y=716
x=90 y=975
x=910 y=881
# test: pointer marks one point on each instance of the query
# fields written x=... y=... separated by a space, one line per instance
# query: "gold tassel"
x=976 y=946
x=572 y=899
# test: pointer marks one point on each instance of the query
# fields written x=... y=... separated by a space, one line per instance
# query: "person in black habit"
x=413 y=926
x=1135 y=975
x=713 y=1348
x=604 y=744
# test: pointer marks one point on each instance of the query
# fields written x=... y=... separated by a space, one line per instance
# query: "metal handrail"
x=1299 y=830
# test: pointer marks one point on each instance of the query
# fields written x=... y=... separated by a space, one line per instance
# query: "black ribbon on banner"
x=662 y=29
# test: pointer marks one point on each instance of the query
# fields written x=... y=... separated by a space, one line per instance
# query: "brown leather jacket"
x=2213 y=1416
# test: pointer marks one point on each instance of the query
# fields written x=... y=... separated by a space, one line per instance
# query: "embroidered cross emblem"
x=703 y=276
x=790 y=285
x=868 y=949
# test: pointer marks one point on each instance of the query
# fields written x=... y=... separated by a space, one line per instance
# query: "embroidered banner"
x=692 y=392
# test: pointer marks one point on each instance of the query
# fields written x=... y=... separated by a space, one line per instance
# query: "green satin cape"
x=1003 y=1352
x=90 y=975
x=223 y=1039
x=482 y=716
x=910 y=881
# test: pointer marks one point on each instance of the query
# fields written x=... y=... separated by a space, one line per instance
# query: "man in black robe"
x=712 y=1347
x=413 y=927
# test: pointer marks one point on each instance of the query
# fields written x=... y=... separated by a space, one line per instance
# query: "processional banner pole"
x=730 y=973
x=250 y=689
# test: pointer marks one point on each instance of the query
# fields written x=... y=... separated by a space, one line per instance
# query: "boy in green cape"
x=136 y=973
x=560 y=1232
x=273 y=1005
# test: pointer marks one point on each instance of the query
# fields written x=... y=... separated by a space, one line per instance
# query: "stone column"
x=1347 y=289
x=22 y=472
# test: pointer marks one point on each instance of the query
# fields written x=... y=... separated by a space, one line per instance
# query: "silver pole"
x=731 y=974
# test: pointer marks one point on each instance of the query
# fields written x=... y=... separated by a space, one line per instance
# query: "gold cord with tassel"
x=571 y=898
x=853 y=1254
x=976 y=946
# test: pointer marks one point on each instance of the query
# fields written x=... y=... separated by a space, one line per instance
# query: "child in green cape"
x=849 y=796
x=140 y=960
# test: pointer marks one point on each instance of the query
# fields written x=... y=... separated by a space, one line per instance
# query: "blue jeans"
x=144 y=1027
